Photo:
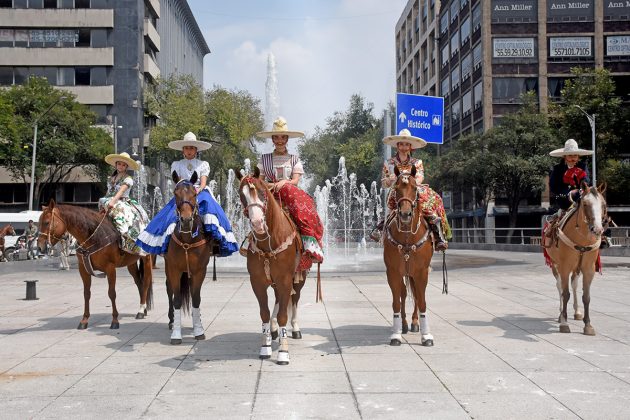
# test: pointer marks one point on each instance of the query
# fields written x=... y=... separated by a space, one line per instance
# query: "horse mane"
x=84 y=218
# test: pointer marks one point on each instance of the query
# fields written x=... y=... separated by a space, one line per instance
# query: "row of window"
x=458 y=39
x=57 y=76
x=452 y=13
x=470 y=62
x=55 y=4
x=42 y=38
x=460 y=108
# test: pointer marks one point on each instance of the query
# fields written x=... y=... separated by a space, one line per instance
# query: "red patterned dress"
x=300 y=205
x=429 y=201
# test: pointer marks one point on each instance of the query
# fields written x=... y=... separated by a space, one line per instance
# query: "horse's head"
x=253 y=193
x=186 y=202
x=51 y=226
x=594 y=207
x=7 y=230
x=406 y=194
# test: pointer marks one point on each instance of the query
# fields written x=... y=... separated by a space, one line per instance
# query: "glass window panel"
x=6 y=3
x=466 y=66
x=477 y=55
x=66 y=4
x=454 y=10
x=445 y=88
x=478 y=94
x=50 y=73
x=6 y=37
x=84 y=38
x=99 y=4
x=82 y=192
x=466 y=102
x=82 y=76
x=99 y=38
x=455 y=78
x=35 y=4
x=476 y=17
x=20 y=75
x=51 y=37
x=6 y=76
x=465 y=30
x=68 y=37
x=445 y=55
x=455 y=110
x=455 y=43
x=98 y=76
x=82 y=4
x=20 y=4
x=101 y=113
x=36 y=38
x=444 y=22
x=50 y=4
x=37 y=71
x=21 y=38
x=511 y=88
x=66 y=76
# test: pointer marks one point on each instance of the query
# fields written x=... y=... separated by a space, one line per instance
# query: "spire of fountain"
x=272 y=99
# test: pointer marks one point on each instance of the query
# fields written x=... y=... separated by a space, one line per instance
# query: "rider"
x=430 y=202
x=564 y=182
x=31 y=234
x=155 y=238
x=282 y=171
x=127 y=216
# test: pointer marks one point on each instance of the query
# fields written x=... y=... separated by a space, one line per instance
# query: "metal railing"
x=619 y=236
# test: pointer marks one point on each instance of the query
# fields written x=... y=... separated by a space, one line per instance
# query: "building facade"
x=105 y=52
x=491 y=52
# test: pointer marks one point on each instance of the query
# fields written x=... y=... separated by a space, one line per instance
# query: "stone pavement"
x=497 y=354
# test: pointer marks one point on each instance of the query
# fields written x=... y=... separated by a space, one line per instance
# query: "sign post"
x=422 y=115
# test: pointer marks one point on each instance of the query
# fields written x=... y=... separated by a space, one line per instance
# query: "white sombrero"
x=189 y=140
x=279 y=129
x=405 y=136
x=122 y=157
x=570 y=148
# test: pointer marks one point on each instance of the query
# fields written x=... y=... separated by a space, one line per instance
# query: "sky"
x=325 y=51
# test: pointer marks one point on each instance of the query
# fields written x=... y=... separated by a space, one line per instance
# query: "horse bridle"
x=195 y=210
x=413 y=203
x=51 y=229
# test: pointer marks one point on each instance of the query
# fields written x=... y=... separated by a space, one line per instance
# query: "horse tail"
x=184 y=293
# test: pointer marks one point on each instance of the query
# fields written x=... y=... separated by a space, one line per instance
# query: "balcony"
x=150 y=67
x=57 y=57
x=151 y=34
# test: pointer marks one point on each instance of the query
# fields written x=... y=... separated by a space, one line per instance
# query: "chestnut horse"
x=272 y=258
x=407 y=252
x=98 y=249
x=576 y=252
x=186 y=260
x=7 y=230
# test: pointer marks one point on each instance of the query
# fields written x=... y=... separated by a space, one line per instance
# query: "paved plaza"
x=497 y=355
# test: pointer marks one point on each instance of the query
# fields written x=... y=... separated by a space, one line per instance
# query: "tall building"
x=105 y=52
x=490 y=52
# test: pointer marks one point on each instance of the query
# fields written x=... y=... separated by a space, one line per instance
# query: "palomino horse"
x=7 y=230
x=272 y=258
x=186 y=260
x=576 y=251
x=407 y=252
x=98 y=249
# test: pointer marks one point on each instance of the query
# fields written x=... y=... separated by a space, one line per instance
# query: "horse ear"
x=584 y=186
x=602 y=188
x=51 y=203
x=175 y=177
x=193 y=178
x=413 y=170
x=396 y=171
x=256 y=172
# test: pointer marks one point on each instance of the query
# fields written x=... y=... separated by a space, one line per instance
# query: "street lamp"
x=591 y=122
x=30 y=197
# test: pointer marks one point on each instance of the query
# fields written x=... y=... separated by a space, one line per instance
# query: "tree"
x=66 y=138
x=518 y=155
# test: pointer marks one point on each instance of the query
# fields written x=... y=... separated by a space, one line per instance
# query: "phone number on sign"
x=571 y=51
x=514 y=52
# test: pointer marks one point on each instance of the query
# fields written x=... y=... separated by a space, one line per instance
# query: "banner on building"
x=514 y=11
x=617 y=10
x=618 y=45
x=569 y=11
x=513 y=48
x=575 y=46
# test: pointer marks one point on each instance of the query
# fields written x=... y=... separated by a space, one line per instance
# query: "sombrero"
x=279 y=129
x=122 y=157
x=570 y=148
x=405 y=136
x=189 y=140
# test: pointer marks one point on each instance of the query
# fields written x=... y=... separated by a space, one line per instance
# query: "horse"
x=407 y=252
x=7 y=230
x=576 y=251
x=186 y=260
x=272 y=258
x=98 y=249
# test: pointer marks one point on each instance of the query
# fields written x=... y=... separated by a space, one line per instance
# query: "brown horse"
x=186 y=260
x=576 y=252
x=98 y=249
x=7 y=230
x=272 y=258
x=407 y=252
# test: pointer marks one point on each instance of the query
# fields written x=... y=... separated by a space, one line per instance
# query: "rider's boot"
x=376 y=233
x=244 y=246
x=550 y=230
x=439 y=241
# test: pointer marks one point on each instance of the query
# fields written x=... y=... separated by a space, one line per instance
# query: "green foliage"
x=65 y=140
x=618 y=172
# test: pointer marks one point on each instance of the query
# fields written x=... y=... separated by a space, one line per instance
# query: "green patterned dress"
x=128 y=217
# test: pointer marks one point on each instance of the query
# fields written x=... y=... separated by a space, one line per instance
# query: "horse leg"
x=171 y=313
x=111 y=292
x=420 y=288
x=395 y=284
x=87 y=285
x=174 y=279
x=403 y=300
x=575 y=280
x=143 y=282
x=260 y=290
x=284 y=298
x=587 y=279
x=554 y=270
x=566 y=295
x=295 y=299
x=198 y=330
x=415 y=325
x=274 y=317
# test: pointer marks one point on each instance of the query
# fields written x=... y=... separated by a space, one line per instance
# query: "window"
x=50 y=73
x=454 y=43
x=466 y=66
x=6 y=76
x=66 y=76
x=465 y=30
x=20 y=4
x=476 y=17
x=478 y=95
x=82 y=4
x=21 y=38
x=101 y=113
x=454 y=10
x=6 y=37
x=82 y=192
x=445 y=87
x=99 y=4
x=98 y=76
x=455 y=78
x=20 y=75
x=509 y=89
x=84 y=38
x=50 y=4
x=466 y=103
x=66 y=4
x=6 y=3
x=36 y=38
x=477 y=56
x=555 y=86
x=35 y=4
x=82 y=76
x=462 y=3
x=99 y=38
x=445 y=55
x=444 y=22
x=455 y=111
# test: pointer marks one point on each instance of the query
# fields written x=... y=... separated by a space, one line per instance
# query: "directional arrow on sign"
x=402 y=117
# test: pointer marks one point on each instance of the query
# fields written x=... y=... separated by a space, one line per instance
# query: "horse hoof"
x=405 y=328
x=565 y=329
x=578 y=317
x=559 y=318
x=414 y=328
x=264 y=357
x=200 y=337
x=394 y=342
x=114 y=326
x=170 y=325
x=176 y=341
x=145 y=312
x=274 y=335
x=297 y=335
x=427 y=343
x=283 y=358
x=588 y=330
x=140 y=315
x=82 y=326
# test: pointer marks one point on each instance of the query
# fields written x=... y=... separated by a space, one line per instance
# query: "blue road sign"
x=422 y=115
